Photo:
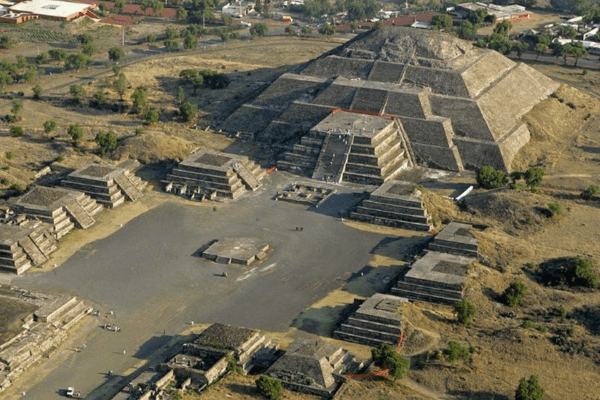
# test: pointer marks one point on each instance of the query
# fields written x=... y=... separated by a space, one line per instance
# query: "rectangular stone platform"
x=305 y=194
x=25 y=244
x=242 y=251
x=455 y=238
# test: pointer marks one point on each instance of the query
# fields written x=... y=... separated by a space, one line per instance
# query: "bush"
x=386 y=358
x=17 y=187
x=9 y=155
x=529 y=389
x=456 y=351
x=269 y=387
x=138 y=131
x=49 y=126
x=514 y=293
x=561 y=311
x=188 y=111
x=527 y=324
x=465 y=311
x=590 y=192
x=107 y=141
x=16 y=131
x=533 y=178
x=581 y=273
x=555 y=208
x=152 y=116
x=489 y=178
x=37 y=92
x=60 y=159
x=75 y=132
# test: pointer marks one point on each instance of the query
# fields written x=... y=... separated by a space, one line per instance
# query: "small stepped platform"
x=396 y=204
x=22 y=245
x=215 y=176
x=378 y=319
x=435 y=278
x=107 y=184
x=455 y=238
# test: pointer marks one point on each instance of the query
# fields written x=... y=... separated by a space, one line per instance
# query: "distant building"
x=511 y=12
x=237 y=9
x=54 y=9
x=591 y=47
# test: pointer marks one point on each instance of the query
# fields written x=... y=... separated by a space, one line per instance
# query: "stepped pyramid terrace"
x=455 y=238
x=444 y=100
x=215 y=176
x=25 y=243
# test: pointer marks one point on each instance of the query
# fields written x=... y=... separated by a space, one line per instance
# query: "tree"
x=157 y=7
x=78 y=93
x=5 y=79
x=560 y=51
x=100 y=98
x=37 y=92
x=121 y=85
x=115 y=54
x=77 y=61
x=465 y=311
x=519 y=47
x=49 y=126
x=467 y=30
x=188 y=111
x=119 y=5
x=455 y=352
x=567 y=32
x=477 y=16
x=386 y=358
x=17 y=106
x=171 y=45
x=42 y=57
x=180 y=95
x=89 y=49
x=190 y=42
x=16 y=131
x=76 y=133
x=540 y=48
x=86 y=38
x=181 y=14
x=534 y=178
x=6 y=41
x=514 y=293
x=327 y=29
x=29 y=75
x=555 y=208
x=107 y=141
x=307 y=30
x=441 y=21
x=21 y=62
x=214 y=80
x=581 y=273
x=529 y=389
x=503 y=27
x=152 y=116
x=140 y=99
x=171 y=33
x=488 y=177
x=590 y=192
x=577 y=51
x=269 y=387
x=227 y=20
x=259 y=29
x=58 y=54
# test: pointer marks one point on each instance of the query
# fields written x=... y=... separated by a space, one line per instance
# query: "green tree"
x=37 y=92
x=307 y=30
x=76 y=133
x=503 y=27
x=6 y=41
x=590 y=192
x=140 y=99
x=78 y=93
x=89 y=49
x=269 y=387
x=180 y=95
x=188 y=111
x=290 y=30
x=489 y=177
x=467 y=30
x=86 y=38
x=577 y=51
x=477 y=16
x=465 y=311
x=386 y=358
x=119 y=5
x=455 y=351
x=171 y=45
x=190 y=42
x=41 y=58
x=581 y=273
x=100 y=98
x=29 y=75
x=17 y=106
x=540 y=48
x=259 y=29
x=441 y=21
x=181 y=14
x=16 y=131
x=115 y=54
x=121 y=85
x=49 y=126
x=107 y=141
x=58 y=54
x=152 y=116
x=519 y=47
x=227 y=20
x=555 y=208
x=327 y=29
x=534 y=178
x=514 y=293
x=77 y=61
x=529 y=389
x=566 y=32
x=157 y=7
x=171 y=33
x=5 y=79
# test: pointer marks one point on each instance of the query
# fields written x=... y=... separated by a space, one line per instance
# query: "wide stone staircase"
x=106 y=193
x=246 y=176
x=303 y=157
x=432 y=292
x=131 y=186
x=332 y=160
x=82 y=210
x=29 y=243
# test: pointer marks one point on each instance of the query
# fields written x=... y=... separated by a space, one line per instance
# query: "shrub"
x=188 y=111
x=269 y=387
x=555 y=208
x=527 y=324
x=16 y=131
x=75 y=132
x=9 y=155
x=60 y=159
x=514 y=293
x=107 y=141
x=533 y=178
x=386 y=358
x=561 y=311
x=100 y=98
x=581 y=273
x=140 y=99
x=489 y=177
x=152 y=116
x=138 y=131
x=529 y=389
x=4 y=181
x=17 y=187
x=465 y=311
x=456 y=351
x=49 y=126
x=37 y=92
x=590 y=192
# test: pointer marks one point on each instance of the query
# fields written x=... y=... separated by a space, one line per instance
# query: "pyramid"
x=458 y=106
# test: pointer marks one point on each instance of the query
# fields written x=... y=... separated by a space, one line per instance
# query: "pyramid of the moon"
x=453 y=105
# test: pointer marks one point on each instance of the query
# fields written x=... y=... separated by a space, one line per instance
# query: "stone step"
x=71 y=315
x=90 y=189
x=394 y=208
x=423 y=297
x=393 y=215
x=306 y=150
x=300 y=159
x=363 y=179
x=205 y=182
x=391 y=222
x=405 y=202
x=370 y=333
x=128 y=188
x=332 y=160
x=283 y=165
x=81 y=217
x=432 y=289
x=394 y=167
x=32 y=251
x=457 y=245
x=372 y=159
x=359 y=321
x=246 y=176
x=349 y=337
x=90 y=206
x=452 y=250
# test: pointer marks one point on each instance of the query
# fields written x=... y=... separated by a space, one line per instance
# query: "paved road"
x=147 y=274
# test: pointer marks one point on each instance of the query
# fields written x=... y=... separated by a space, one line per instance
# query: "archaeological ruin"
x=441 y=101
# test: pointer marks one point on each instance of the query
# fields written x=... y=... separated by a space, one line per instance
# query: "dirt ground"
x=12 y=312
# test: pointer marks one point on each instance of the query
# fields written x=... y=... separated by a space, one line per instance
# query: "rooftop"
x=224 y=336
x=42 y=197
x=353 y=124
x=98 y=172
x=50 y=8
x=212 y=160
x=443 y=268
